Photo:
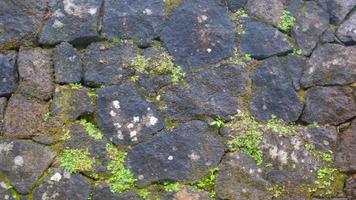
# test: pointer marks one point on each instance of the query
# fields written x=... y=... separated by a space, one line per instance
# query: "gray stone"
x=329 y=105
x=274 y=93
x=311 y=22
x=269 y=11
x=61 y=185
x=261 y=40
x=347 y=30
x=67 y=64
x=36 y=72
x=8 y=74
x=350 y=187
x=107 y=64
x=235 y=5
x=330 y=64
x=345 y=156
x=74 y=21
x=323 y=138
x=21 y=164
x=187 y=194
x=210 y=92
x=295 y=68
x=125 y=117
x=3 y=103
x=102 y=191
x=140 y=20
x=339 y=9
x=199 y=32
x=235 y=181
x=185 y=154
x=20 y=22
x=24 y=116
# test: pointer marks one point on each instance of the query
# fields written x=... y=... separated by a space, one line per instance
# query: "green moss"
x=168 y=123
x=301 y=95
x=91 y=129
x=171 y=186
x=134 y=78
x=239 y=59
x=143 y=193
x=328 y=182
x=177 y=75
x=121 y=179
x=240 y=13
x=46 y=116
x=92 y=94
x=9 y=187
x=170 y=5
x=297 y=52
x=76 y=160
x=287 y=21
x=217 y=122
x=333 y=26
x=76 y=86
x=140 y=63
x=279 y=126
x=207 y=184
x=112 y=42
x=277 y=190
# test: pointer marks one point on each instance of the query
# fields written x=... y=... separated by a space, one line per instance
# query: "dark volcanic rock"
x=102 y=192
x=330 y=64
x=212 y=92
x=235 y=5
x=74 y=21
x=199 y=32
x=350 y=187
x=262 y=41
x=269 y=11
x=5 y=192
x=186 y=154
x=72 y=103
x=36 y=72
x=61 y=185
x=140 y=20
x=24 y=116
x=20 y=22
x=295 y=68
x=347 y=30
x=329 y=105
x=239 y=178
x=67 y=64
x=8 y=74
x=187 y=194
x=311 y=22
x=346 y=148
x=3 y=102
x=339 y=9
x=125 y=117
x=323 y=138
x=107 y=64
x=22 y=163
x=274 y=93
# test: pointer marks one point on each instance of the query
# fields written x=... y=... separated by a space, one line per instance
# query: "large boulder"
x=311 y=22
x=21 y=164
x=346 y=147
x=261 y=40
x=61 y=185
x=185 y=154
x=330 y=64
x=269 y=11
x=8 y=73
x=67 y=64
x=20 y=22
x=199 y=32
x=107 y=64
x=347 y=30
x=125 y=117
x=329 y=105
x=36 y=72
x=140 y=20
x=73 y=21
x=24 y=116
x=274 y=93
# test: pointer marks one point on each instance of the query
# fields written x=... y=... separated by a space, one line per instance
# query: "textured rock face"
x=269 y=11
x=350 y=187
x=261 y=40
x=199 y=32
x=295 y=68
x=8 y=74
x=345 y=156
x=22 y=163
x=235 y=5
x=102 y=191
x=20 y=22
x=190 y=194
x=72 y=21
x=187 y=153
x=5 y=192
x=140 y=20
x=347 y=30
x=330 y=64
x=339 y=9
x=329 y=105
x=3 y=103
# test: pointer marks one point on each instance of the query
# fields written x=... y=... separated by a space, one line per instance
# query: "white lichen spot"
x=3 y=185
x=6 y=147
x=93 y=11
x=202 y=18
x=251 y=171
x=140 y=177
x=170 y=157
x=56 y=177
x=57 y=24
x=117 y=125
x=133 y=134
x=116 y=104
x=6 y=197
x=130 y=125
x=194 y=157
x=280 y=154
x=78 y=10
x=120 y=136
x=147 y=11
x=72 y=58
x=58 y=13
x=208 y=50
x=153 y=121
x=19 y=161
x=113 y=113
x=294 y=157
x=136 y=119
x=66 y=175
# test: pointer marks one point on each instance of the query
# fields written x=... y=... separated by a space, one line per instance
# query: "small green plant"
x=92 y=94
x=327 y=157
x=324 y=156
x=287 y=21
x=276 y=190
x=217 y=122
x=46 y=116
x=140 y=63
x=207 y=184
x=177 y=75
x=314 y=125
x=240 y=13
x=333 y=26
x=171 y=186
x=113 y=41
x=239 y=59
x=134 y=78
x=143 y=193
x=297 y=52
x=121 y=179
x=76 y=86
x=91 y=129
x=279 y=126
x=325 y=179
x=76 y=160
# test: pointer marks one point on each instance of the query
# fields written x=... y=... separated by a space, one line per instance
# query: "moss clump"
x=207 y=184
x=76 y=160
x=217 y=122
x=239 y=59
x=91 y=129
x=279 y=126
x=277 y=190
x=121 y=179
x=76 y=86
x=287 y=21
x=171 y=186
x=143 y=193
x=329 y=182
x=170 y=5
x=297 y=52
x=92 y=94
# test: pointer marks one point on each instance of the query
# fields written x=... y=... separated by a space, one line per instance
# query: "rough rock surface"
x=329 y=105
x=24 y=116
x=347 y=30
x=184 y=154
x=8 y=73
x=274 y=93
x=330 y=64
x=3 y=102
x=102 y=191
x=125 y=117
x=67 y=64
x=189 y=194
x=73 y=21
x=261 y=40
x=235 y=5
x=36 y=72
x=350 y=187
x=269 y=11
x=5 y=192
x=295 y=68
x=199 y=32
x=345 y=154
x=140 y=20
x=21 y=163
x=339 y=9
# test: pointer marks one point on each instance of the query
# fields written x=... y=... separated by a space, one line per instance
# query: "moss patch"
x=76 y=160
x=279 y=126
x=170 y=5
x=287 y=21
x=208 y=183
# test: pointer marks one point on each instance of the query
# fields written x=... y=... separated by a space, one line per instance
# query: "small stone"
x=345 y=153
x=339 y=9
x=347 y=30
x=8 y=74
x=295 y=68
x=269 y=11
x=102 y=191
x=67 y=64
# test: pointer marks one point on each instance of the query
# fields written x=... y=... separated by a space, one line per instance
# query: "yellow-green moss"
x=301 y=95
x=76 y=160
x=170 y=5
